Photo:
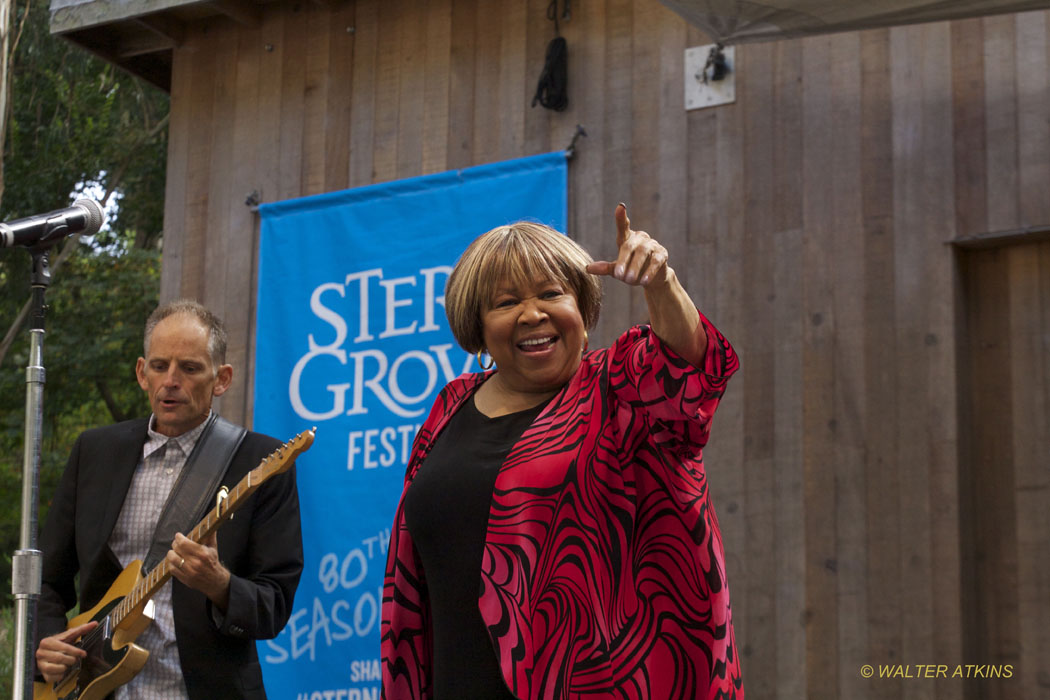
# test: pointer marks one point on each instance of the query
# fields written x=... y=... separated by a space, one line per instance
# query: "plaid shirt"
x=162 y=461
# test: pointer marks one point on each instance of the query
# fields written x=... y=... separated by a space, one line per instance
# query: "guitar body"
x=112 y=657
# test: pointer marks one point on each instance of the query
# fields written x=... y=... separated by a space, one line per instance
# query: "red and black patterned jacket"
x=603 y=574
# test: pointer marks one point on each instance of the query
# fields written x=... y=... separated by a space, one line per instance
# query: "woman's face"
x=535 y=334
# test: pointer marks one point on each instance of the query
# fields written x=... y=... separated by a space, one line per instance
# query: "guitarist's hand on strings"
x=197 y=565
x=56 y=654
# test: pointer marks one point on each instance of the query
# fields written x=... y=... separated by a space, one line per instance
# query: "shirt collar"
x=185 y=442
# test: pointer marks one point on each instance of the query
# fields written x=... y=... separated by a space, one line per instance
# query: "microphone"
x=85 y=216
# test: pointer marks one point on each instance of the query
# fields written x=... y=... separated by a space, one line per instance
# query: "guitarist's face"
x=179 y=375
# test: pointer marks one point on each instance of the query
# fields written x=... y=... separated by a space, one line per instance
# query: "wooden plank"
x=363 y=102
x=538 y=33
x=789 y=515
x=968 y=125
x=701 y=128
x=222 y=44
x=968 y=461
x=248 y=14
x=1035 y=586
x=266 y=150
x=488 y=109
x=198 y=175
x=293 y=109
x=883 y=473
x=1029 y=283
x=1035 y=481
x=847 y=280
x=672 y=181
x=1033 y=128
x=910 y=441
x=937 y=334
x=316 y=57
x=998 y=239
x=339 y=87
x=175 y=186
x=461 y=84
x=436 y=86
x=411 y=71
x=791 y=616
x=238 y=310
x=590 y=215
x=513 y=81
x=818 y=403
x=1000 y=85
x=387 y=91
x=757 y=613
x=926 y=438
x=704 y=205
x=993 y=514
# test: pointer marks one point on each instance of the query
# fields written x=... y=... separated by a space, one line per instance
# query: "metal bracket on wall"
x=702 y=88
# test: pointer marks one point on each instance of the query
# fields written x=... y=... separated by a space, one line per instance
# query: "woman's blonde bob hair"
x=520 y=253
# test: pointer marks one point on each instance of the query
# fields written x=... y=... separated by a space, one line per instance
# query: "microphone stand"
x=27 y=563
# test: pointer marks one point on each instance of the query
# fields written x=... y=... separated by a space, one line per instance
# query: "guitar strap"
x=197 y=482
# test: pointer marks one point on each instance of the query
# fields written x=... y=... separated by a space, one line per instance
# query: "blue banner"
x=352 y=338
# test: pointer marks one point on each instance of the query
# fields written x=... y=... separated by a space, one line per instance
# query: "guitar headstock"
x=281 y=459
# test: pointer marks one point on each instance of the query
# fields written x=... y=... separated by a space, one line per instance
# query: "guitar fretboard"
x=275 y=463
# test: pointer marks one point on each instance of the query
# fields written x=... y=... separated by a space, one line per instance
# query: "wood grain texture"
x=411 y=96
x=363 y=98
x=1029 y=281
x=787 y=439
x=818 y=372
x=883 y=473
x=757 y=612
x=241 y=228
x=179 y=137
x=436 y=79
x=338 y=87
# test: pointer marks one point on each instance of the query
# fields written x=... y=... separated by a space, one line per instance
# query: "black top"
x=447 y=511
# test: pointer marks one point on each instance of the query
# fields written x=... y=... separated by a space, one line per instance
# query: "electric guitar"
x=126 y=610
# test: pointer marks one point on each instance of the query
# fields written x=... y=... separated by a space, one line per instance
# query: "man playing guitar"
x=232 y=588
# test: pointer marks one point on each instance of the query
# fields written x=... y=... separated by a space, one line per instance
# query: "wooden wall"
x=811 y=221
x=1005 y=363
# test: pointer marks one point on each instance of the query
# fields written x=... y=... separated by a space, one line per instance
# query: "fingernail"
x=623 y=205
x=619 y=271
x=645 y=280
x=629 y=278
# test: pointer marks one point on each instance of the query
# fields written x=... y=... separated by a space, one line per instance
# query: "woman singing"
x=556 y=536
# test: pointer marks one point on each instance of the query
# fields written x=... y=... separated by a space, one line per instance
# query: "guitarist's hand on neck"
x=197 y=565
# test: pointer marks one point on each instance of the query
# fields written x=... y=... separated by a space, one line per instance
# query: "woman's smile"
x=538 y=345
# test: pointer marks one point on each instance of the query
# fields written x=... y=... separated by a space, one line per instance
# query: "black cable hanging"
x=553 y=86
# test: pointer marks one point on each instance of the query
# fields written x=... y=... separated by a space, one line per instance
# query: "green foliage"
x=76 y=121
x=94 y=335
x=7 y=651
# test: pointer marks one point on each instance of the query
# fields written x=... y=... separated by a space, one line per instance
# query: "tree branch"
x=111 y=402
x=71 y=245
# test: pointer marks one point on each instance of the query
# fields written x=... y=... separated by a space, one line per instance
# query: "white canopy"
x=740 y=21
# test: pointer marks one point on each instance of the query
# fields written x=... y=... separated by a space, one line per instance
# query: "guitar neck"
x=277 y=462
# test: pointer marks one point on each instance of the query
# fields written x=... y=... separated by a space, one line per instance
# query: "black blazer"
x=261 y=546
